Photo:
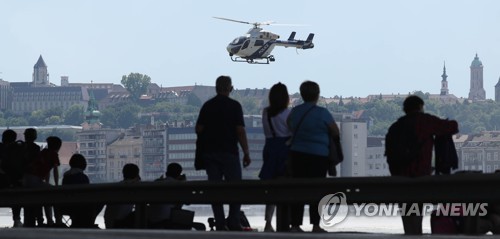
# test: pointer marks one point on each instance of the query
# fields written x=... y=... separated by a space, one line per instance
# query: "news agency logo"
x=333 y=209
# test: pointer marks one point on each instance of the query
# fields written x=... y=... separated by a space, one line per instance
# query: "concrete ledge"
x=25 y=233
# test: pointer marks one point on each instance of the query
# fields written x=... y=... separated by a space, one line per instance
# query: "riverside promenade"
x=474 y=188
x=24 y=233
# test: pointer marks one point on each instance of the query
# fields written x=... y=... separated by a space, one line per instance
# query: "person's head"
x=278 y=99
x=9 y=136
x=413 y=104
x=78 y=161
x=174 y=170
x=54 y=143
x=223 y=85
x=130 y=171
x=309 y=91
x=30 y=135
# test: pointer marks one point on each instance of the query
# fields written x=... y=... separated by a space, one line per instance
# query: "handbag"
x=199 y=163
x=335 y=156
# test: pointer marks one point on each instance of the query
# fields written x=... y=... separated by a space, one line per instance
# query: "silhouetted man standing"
x=220 y=127
x=414 y=134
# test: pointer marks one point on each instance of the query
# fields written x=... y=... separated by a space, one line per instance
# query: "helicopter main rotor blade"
x=232 y=20
x=288 y=25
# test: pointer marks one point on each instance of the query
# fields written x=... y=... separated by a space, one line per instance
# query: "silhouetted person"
x=82 y=215
x=221 y=127
x=11 y=164
x=160 y=214
x=32 y=214
x=276 y=151
x=49 y=160
x=423 y=128
x=312 y=127
x=121 y=215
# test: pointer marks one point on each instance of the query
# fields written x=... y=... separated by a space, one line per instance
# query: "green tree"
x=53 y=120
x=74 y=115
x=122 y=115
x=109 y=117
x=128 y=115
x=37 y=118
x=16 y=121
x=56 y=111
x=194 y=100
x=136 y=84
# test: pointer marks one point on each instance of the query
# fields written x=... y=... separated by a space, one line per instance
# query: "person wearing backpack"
x=49 y=160
x=12 y=165
x=408 y=147
x=33 y=215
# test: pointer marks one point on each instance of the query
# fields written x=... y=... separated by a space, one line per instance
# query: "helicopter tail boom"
x=300 y=44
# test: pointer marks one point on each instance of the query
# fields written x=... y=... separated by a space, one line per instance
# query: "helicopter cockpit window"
x=245 y=45
x=259 y=43
x=238 y=40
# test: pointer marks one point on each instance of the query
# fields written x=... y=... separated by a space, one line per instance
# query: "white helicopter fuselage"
x=250 y=47
x=258 y=44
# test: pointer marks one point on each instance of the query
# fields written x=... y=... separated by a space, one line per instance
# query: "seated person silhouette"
x=172 y=216
x=82 y=215
x=122 y=215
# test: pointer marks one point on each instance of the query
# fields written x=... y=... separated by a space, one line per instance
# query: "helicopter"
x=256 y=46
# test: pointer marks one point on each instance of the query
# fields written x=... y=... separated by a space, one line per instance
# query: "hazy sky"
x=361 y=47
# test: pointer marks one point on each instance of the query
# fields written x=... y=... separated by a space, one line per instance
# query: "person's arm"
x=334 y=131
x=56 y=175
x=199 y=128
x=242 y=139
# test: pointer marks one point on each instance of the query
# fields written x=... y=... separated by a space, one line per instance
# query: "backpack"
x=401 y=144
x=14 y=161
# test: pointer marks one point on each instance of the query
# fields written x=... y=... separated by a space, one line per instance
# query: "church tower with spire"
x=444 y=82
x=476 y=80
x=92 y=115
x=40 y=74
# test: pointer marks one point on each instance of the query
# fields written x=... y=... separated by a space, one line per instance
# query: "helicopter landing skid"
x=264 y=60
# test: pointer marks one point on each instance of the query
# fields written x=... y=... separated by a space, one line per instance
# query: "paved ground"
x=14 y=233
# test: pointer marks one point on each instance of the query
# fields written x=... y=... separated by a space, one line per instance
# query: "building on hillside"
x=154 y=152
x=480 y=152
x=256 y=142
x=29 y=99
x=40 y=74
x=5 y=95
x=180 y=94
x=353 y=136
x=92 y=142
x=67 y=150
x=40 y=94
x=181 y=146
x=444 y=82
x=93 y=145
x=476 y=91
x=376 y=162
x=126 y=149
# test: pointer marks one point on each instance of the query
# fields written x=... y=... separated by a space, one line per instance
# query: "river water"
x=255 y=215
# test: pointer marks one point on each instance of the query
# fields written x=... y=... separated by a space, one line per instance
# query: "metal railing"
x=464 y=188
